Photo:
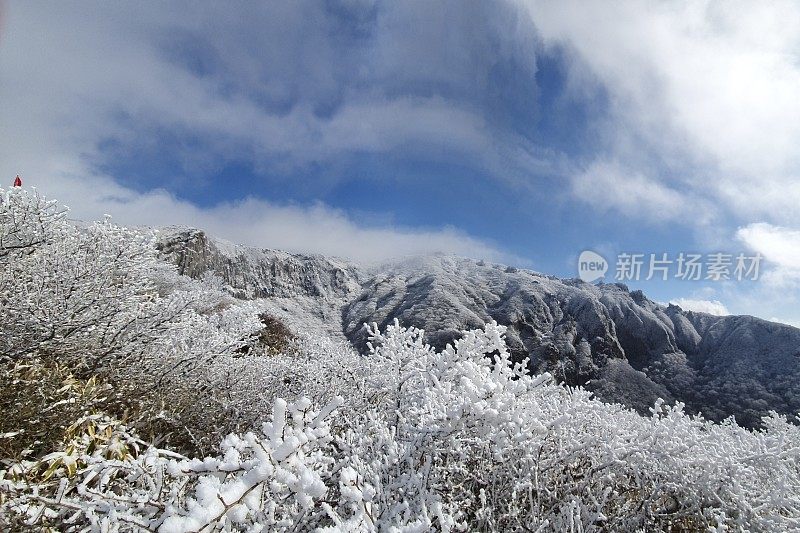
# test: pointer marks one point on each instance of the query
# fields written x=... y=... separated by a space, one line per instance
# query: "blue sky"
x=518 y=131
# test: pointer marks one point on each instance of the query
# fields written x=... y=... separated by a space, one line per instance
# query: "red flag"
x=17 y=182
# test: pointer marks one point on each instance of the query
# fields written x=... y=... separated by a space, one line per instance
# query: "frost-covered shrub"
x=88 y=294
x=476 y=443
x=104 y=479
x=67 y=290
x=96 y=301
x=271 y=481
x=453 y=440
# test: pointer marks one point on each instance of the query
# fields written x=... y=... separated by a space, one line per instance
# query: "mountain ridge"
x=615 y=342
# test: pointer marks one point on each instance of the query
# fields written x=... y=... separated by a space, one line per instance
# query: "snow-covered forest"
x=136 y=399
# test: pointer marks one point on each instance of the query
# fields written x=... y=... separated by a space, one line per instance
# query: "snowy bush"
x=472 y=442
x=85 y=294
x=455 y=440
x=96 y=300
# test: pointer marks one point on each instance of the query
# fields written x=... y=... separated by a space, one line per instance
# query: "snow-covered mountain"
x=615 y=342
x=408 y=437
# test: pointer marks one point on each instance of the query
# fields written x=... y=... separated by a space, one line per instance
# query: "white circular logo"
x=591 y=266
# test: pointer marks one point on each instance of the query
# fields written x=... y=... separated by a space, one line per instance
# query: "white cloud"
x=317 y=228
x=702 y=126
x=780 y=247
x=712 y=307
x=778 y=244
x=707 y=88
x=75 y=75
x=607 y=185
x=83 y=74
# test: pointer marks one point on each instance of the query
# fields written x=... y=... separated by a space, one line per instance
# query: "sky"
x=520 y=132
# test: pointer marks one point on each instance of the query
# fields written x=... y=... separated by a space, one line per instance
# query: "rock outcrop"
x=257 y=273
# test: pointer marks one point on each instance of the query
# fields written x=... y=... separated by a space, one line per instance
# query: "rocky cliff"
x=257 y=273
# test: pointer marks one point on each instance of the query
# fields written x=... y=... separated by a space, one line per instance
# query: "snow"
x=459 y=428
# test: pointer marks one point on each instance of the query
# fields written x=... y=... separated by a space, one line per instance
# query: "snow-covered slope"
x=618 y=343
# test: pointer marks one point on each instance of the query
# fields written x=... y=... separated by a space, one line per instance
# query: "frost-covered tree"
x=99 y=293
x=73 y=292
